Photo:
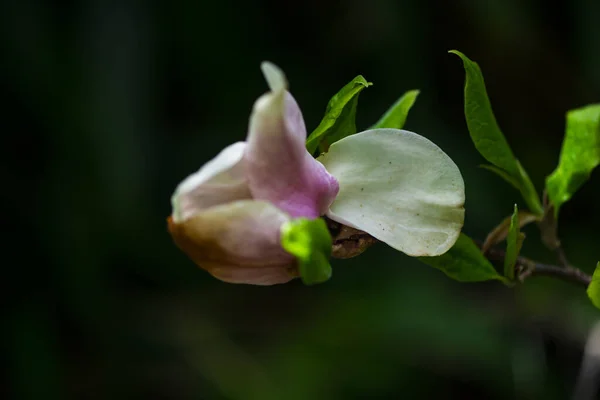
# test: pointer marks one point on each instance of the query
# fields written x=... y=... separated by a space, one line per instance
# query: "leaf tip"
x=361 y=80
x=414 y=93
x=457 y=53
x=593 y=290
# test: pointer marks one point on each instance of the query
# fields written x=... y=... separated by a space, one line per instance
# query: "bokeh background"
x=108 y=105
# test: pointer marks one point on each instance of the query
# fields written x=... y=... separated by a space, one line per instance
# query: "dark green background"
x=108 y=106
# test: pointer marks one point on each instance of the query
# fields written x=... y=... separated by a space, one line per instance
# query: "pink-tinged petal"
x=279 y=169
x=255 y=276
x=219 y=181
x=237 y=242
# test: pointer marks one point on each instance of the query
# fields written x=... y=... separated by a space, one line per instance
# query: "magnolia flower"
x=393 y=184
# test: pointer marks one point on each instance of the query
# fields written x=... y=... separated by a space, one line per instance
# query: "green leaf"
x=593 y=290
x=395 y=116
x=500 y=232
x=484 y=130
x=580 y=154
x=489 y=139
x=340 y=117
x=310 y=242
x=464 y=262
x=514 y=241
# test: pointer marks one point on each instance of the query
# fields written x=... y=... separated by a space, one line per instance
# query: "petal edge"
x=400 y=188
x=219 y=181
x=278 y=166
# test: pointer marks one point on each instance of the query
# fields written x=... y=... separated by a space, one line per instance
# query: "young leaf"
x=501 y=231
x=580 y=154
x=395 y=116
x=310 y=242
x=484 y=130
x=464 y=262
x=489 y=139
x=340 y=117
x=593 y=290
x=514 y=241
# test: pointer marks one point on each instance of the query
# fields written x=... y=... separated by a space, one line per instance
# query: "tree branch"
x=526 y=267
x=349 y=242
x=549 y=230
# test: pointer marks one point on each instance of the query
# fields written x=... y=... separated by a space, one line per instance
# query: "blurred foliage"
x=579 y=155
x=109 y=105
x=594 y=288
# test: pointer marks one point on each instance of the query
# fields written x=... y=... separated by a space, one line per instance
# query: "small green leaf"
x=396 y=115
x=310 y=242
x=593 y=290
x=489 y=139
x=484 y=130
x=499 y=233
x=340 y=117
x=514 y=241
x=580 y=154
x=464 y=262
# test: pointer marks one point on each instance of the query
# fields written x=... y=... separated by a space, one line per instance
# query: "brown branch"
x=526 y=267
x=549 y=230
x=349 y=242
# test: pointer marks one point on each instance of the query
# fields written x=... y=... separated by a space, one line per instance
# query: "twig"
x=566 y=273
x=526 y=267
x=349 y=242
x=549 y=230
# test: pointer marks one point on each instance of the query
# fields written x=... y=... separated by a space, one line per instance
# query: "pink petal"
x=219 y=181
x=279 y=169
x=237 y=242
x=254 y=276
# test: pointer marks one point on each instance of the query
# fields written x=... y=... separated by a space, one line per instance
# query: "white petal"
x=400 y=188
x=219 y=181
